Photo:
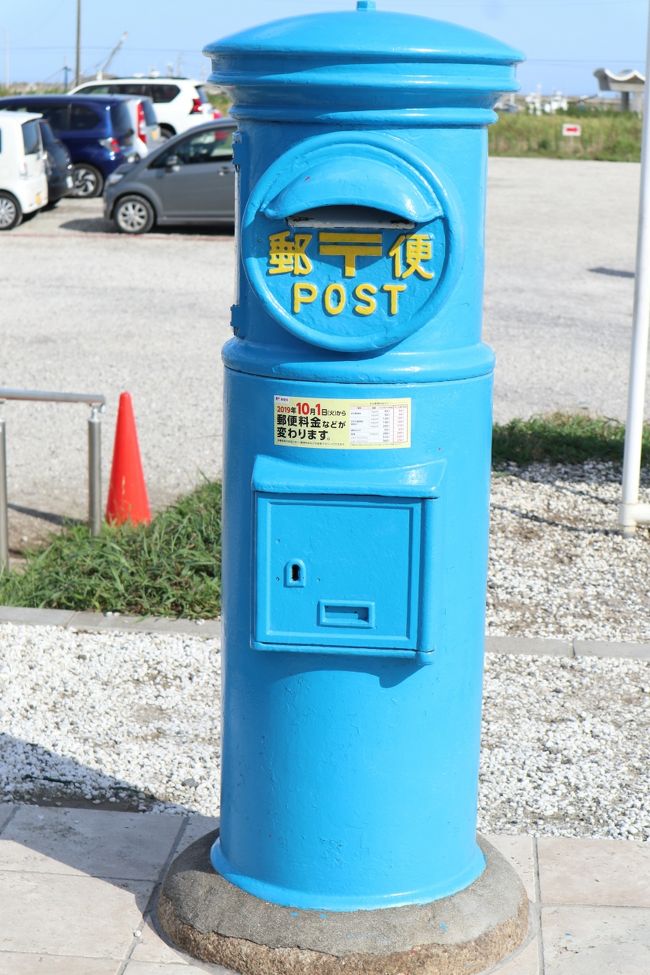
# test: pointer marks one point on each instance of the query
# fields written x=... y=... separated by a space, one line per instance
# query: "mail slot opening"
x=345 y=217
x=344 y=613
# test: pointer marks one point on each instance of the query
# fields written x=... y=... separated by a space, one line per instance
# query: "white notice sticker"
x=342 y=424
x=379 y=425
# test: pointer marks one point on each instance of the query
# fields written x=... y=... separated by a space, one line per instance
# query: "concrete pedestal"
x=467 y=933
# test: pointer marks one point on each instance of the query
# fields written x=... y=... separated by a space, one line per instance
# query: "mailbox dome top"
x=368 y=32
x=358 y=65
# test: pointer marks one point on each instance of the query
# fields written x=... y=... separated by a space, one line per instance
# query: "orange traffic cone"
x=127 y=493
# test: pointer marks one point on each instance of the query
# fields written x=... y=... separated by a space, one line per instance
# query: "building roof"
x=626 y=80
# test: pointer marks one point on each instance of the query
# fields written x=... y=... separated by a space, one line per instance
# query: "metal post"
x=630 y=511
x=95 y=471
x=77 y=61
x=4 y=523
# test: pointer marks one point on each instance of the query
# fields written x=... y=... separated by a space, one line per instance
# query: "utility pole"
x=7 y=79
x=66 y=75
x=77 y=64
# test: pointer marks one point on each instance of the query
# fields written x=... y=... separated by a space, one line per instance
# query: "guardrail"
x=97 y=404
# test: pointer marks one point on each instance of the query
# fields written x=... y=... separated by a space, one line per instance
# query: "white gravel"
x=566 y=747
x=109 y=717
x=133 y=720
x=559 y=566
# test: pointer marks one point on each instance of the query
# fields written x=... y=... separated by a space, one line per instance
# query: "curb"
x=542 y=646
x=208 y=629
x=101 y=622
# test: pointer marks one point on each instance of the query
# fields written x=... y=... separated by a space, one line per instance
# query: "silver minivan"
x=189 y=179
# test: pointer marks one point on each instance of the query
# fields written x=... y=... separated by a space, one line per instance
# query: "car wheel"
x=134 y=215
x=166 y=132
x=10 y=212
x=86 y=181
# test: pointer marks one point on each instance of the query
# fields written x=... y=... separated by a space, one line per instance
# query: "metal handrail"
x=97 y=404
x=44 y=396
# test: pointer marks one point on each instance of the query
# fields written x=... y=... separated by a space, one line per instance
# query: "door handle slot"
x=340 y=612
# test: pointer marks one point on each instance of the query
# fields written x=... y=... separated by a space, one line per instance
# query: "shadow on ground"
x=115 y=849
x=612 y=272
x=97 y=225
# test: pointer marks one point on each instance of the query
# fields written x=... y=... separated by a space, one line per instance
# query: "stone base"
x=208 y=917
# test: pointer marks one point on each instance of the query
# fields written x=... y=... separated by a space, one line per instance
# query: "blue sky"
x=564 y=40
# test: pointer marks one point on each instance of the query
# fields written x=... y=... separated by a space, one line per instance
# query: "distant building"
x=628 y=83
x=538 y=104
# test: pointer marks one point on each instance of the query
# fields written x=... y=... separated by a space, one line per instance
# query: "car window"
x=204 y=146
x=149 y=112
x=31 y=137
x=121 y=119
x=202 y=93
x=57 y=115
x=83 y=117
x=164 y=93
x=46 y=134
x=95 y=90
x=132 y=88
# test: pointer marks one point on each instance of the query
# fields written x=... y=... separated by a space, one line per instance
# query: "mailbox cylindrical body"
x=357 y=452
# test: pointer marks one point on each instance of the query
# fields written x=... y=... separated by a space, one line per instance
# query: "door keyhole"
x=294 y=573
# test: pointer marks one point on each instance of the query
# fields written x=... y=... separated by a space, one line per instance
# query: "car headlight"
x=114 y=178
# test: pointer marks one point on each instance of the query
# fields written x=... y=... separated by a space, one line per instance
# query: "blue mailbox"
x=357 y=458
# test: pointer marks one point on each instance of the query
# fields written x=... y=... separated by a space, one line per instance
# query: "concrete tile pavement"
x=77 y=889
x=596 y=941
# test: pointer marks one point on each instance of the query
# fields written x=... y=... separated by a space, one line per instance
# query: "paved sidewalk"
x=77 y=888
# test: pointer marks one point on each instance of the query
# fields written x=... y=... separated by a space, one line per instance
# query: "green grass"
x=562 y=438
x=614 y=136
x=220 y=101
x=172 y=567
x=606 y=135
x=168 y=568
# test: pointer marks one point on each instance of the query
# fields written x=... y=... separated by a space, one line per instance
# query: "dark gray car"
x=189 y=179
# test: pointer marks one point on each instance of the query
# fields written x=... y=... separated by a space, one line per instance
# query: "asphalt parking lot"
x=87 y=309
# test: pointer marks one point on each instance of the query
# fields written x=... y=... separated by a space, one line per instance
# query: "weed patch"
x=172 y=566
x=168 y=568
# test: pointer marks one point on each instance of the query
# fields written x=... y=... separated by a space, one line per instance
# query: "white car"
x=179 y=103
x=146 y=131
x=23 y=180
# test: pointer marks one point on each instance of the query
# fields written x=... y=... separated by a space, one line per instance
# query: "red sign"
x=572 y=130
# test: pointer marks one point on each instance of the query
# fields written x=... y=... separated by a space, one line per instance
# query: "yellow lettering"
x=349 y=247
x=364 y=292
x=392 y=290
x=417 y=248
x=330 y=307
x=289 y=256
x=303 y=294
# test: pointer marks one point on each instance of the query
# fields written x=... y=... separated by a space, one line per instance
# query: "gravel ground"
x=134 y=721
x=559 y=567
